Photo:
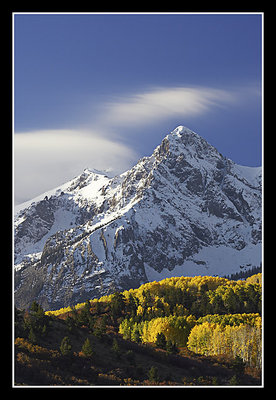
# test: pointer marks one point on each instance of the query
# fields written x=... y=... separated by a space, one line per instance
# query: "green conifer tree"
x=87 y=348
x=32 y=336
x=153 y=374
x=116 y=349
x=171 y=347
x=161 y=341
x=65 y=346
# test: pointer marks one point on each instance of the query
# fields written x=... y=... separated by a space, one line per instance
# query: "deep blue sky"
x=78 y=72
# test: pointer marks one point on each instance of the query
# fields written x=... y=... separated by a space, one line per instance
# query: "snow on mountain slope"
x=185 y=210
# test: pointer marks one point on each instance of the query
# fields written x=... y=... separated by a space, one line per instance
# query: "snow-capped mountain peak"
x=185 y=210
x=180 y=130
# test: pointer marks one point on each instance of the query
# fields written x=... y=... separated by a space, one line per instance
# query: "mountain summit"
x=185 y=210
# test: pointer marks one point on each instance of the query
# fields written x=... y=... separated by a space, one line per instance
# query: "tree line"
x=208 y=315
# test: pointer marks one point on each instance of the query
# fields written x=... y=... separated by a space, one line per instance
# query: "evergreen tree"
x=118 y=304
x=135 y=334
x=99 y=327
x=70 y=323
x=161 y=341
x=65 y=346
x=147 y=298
x=36 y=322
x=234 y=381
x=83 y=317
x=132 y=305
x=32 y=336
x=153 y=374
x=98 y=308
x=74 y=315
x=87 y=348
x=171 y=347
x=35 y=307
x=115 y=348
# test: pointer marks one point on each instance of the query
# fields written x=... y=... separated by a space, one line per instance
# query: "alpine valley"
x=184 y=211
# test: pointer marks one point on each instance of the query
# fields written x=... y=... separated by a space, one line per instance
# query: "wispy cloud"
x=47 y=158
x=161 y=103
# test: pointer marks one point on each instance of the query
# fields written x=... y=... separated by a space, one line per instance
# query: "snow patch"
x=217 y=261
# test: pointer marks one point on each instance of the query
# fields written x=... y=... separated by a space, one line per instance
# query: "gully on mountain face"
x=185 y=210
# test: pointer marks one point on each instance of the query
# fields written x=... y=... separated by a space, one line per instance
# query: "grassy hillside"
x=179 y=331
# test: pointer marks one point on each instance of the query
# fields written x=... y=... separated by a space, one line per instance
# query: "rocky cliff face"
x=186 y=210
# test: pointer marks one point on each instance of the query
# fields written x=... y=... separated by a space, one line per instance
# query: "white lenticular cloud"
x=162 y=103
x=47 y=158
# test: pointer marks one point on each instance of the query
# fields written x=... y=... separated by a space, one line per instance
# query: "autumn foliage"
x=177 y=317
x=209 y=315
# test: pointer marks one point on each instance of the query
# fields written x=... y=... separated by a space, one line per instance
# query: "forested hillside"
x=179 y=331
